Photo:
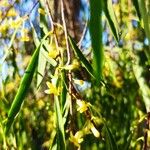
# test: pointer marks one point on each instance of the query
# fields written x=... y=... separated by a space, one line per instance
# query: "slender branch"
x=68 y=53
x=83 y=34
x=52 y=23
x=66 y=34
x=35 y=4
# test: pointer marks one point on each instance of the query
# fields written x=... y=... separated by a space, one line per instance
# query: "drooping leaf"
x=136 y=5
x=24 y=86
x=96 y=37
x=143 y=85
x=41 y=59
x=61 y=144
x=111 y=18
x=63 y=89
x=41 y=68
x=65 y=118
x=49 y=60
x=145 y=17
x=81 y=57
x=110 y=141
x=128 y=142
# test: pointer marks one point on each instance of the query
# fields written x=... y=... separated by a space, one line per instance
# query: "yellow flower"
x=69 y=67
x=53 y=53
x=77 y=138
x=52 y=89
x=83 y=106
x=41 y=11
x=74 y=65
x=4 y=3
x=79 y=82
x=1 y=14
x=94 y=130
x=25 y=38
x=16 y=23
x=40 y=104
x=12 y=13
x=3 y=28
x=24 y=35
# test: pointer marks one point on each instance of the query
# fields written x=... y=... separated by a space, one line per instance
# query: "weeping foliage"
x=67 y=83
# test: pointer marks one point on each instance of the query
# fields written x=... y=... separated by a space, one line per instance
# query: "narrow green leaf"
x=65 y=119
x=110 y=141
x=41 y=60
x=23 y=88
x=60 y=127
x=143 y=85
x=41 y=68
x=128 y=142
x=111 y=18
x=146 y=18
x=49 y=60
x=82 y=58
x=136 y=5
x=96 y=37
x=64 y=113
x=54 y=144
x=64 y=90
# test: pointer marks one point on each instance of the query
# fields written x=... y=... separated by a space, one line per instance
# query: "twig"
x=33 y=7
x=52 y=23
x=83 y=34
x=68 y=53
x=66 y=34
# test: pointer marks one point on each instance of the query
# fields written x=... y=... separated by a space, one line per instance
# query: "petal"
x=80 y=140
x=79 y=102
x=47 y=91
x=48 y=84
x=79 y=82
x=95 y=131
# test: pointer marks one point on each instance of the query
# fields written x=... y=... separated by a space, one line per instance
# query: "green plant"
x=71 y=96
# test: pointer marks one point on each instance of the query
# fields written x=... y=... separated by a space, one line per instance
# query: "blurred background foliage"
x=121 y=100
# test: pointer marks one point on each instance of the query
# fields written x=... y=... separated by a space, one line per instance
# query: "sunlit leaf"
x=96 y=37
x=138 y=71
x=41 y=68
x=111 y=18
x=61 y=144
x=23 y=88
x=80 y=55
x=145 y=17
